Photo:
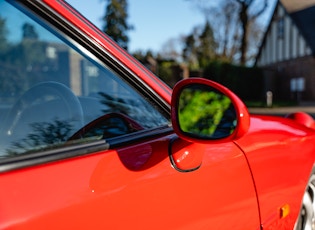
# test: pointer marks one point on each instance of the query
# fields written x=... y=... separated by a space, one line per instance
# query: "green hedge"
x=246 y=82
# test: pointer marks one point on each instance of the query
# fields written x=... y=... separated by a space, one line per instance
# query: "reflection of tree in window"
x=43 y=135
x=137 y=110
x=201 y=112
x=29 y=32
x=10 y=74
x=3 y=33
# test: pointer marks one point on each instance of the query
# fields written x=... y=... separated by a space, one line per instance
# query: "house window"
x=51 y=52
x=280 y=28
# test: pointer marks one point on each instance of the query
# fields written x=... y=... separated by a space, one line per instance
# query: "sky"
x=155 y=22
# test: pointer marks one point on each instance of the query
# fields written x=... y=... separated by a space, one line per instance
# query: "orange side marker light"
x=284 y=211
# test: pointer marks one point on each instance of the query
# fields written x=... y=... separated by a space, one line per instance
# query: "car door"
x=85 y=146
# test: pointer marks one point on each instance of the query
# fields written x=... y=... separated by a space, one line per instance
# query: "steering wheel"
x=41 y=97
x=108 y=126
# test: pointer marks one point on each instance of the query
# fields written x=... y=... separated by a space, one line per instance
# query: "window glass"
x=51 y=95
x=280 y=27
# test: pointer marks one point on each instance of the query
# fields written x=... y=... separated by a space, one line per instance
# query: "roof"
x=297 y=5
x=304 y=19
x=302 y=13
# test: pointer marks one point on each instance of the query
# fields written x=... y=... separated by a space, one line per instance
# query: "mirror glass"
x=205 y=112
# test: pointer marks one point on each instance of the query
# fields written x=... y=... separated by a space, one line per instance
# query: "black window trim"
x=41 y=157
x=72 y=151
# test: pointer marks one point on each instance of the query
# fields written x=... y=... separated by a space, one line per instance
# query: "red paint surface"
x=239 y=183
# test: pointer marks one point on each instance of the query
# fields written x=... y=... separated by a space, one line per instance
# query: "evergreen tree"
x=190 y=51
x=199 y=47
x=207 y=46
x=29 y=32
x=3 y=34
x=115 y=20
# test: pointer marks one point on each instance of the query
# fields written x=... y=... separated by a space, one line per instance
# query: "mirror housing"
x=204 y=111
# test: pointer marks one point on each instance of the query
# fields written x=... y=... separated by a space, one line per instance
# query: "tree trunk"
x=244 y=24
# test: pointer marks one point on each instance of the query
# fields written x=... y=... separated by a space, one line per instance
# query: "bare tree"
x=246 y=17
x=234 y=23
x=170 y=49
x=254 y=40
x=224 y=20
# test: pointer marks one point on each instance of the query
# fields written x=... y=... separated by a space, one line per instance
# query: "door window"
x=51 y=94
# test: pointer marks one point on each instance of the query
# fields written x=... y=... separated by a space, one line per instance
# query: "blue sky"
x=155 y=22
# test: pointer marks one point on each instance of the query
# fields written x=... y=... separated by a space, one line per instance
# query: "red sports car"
x=90 y=139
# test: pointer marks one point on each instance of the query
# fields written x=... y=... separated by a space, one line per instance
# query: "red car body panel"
x=276 y=163
x=102 y=191
x=240 y=184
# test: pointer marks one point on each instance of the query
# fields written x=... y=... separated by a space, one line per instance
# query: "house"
x=287 y=52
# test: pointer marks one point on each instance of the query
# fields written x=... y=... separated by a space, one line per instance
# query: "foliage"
x=165 y=71
x=29 y=32
x=42 y=136
x=137 y=110
x=199 y=47
x=207 y=46
x=115 y=20
x=3 y=34
x=246 y=82
x=201 y=111
x=190 y=51
x=235 y=27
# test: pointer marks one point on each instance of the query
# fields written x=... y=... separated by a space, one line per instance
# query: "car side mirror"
x=203 y=111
